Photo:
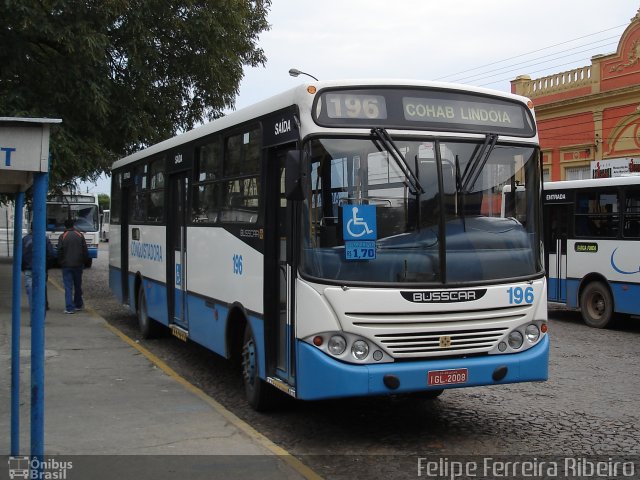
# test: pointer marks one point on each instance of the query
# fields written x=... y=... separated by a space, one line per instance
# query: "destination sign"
x=462 y=112
x=424 y=109
x=586 y=247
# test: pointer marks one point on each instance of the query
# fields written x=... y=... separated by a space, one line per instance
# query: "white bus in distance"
x=83 y=209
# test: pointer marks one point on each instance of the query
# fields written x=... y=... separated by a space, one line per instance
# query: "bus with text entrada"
x=592 y=240
x=83 y=209
x=339 y=239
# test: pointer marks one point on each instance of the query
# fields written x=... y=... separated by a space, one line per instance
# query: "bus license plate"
x=447 y=377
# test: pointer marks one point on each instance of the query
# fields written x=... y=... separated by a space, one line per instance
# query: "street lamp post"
x=294 y=72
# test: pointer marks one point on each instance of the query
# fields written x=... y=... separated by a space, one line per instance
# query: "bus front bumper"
x=320 y=377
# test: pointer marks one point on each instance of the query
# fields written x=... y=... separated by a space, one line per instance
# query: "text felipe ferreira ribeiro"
x=489 y=467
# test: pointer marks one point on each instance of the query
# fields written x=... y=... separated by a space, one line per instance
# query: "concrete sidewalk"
x=105 y=397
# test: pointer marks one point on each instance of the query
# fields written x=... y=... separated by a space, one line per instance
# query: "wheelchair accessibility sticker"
x=359 y=222
x=359 y=230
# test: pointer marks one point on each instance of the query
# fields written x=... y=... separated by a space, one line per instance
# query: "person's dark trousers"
x=72 y=279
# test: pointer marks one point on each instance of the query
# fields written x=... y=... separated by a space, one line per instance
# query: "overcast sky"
x=477 y=42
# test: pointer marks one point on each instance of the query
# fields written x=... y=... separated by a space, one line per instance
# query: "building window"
x=577 y=173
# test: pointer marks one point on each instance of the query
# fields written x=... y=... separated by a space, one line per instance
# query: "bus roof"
x=593 y=182
x=298 y=95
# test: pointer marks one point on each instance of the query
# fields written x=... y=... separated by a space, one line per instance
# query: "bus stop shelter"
x=24 y=164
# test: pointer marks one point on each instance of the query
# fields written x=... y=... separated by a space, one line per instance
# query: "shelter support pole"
x=40 y=186
x=15 y=324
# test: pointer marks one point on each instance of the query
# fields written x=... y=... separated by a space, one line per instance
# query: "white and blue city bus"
x=83 y=209
x=592 y=240
x=341 y=240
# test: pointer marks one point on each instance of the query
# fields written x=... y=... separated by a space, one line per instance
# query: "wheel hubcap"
x=597 y=305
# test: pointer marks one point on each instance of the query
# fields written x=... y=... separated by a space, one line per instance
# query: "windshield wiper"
x=459 y=194
x=477 y=162
x=389 y=145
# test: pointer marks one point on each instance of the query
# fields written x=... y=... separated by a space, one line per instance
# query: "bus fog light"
x=502 y=346
x=337 y=345
x=377 y=355
x=515 y=339
x=532 y=332
x=360 y=349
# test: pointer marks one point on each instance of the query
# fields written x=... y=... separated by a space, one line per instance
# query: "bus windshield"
x=85 y=216
x=448 y=231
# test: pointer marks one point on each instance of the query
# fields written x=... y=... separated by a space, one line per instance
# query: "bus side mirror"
x=293 y=176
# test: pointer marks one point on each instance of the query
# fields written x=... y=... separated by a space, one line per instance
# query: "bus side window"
x=631 y=228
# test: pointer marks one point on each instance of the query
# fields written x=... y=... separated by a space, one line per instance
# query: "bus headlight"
x=348 y=347
x=360 y=349
x=532 y=332
x=337 y=345
x=515 y=339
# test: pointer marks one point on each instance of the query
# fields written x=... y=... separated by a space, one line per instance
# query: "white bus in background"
x=592 y=245
x=7 y=212
x=83 y=209
x=343 y=239
x=105 y=220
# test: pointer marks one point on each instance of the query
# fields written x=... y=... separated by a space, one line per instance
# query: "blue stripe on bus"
x=573 y=285
x=93 y=252
x=625 y=295
x=203 y=326
x=115 y=282
x=156 y=296
x=320 y=377
x=552 y=289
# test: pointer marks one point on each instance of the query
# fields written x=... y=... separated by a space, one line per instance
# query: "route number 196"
x=519 y=295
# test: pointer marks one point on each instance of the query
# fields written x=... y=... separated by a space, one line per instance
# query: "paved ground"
x=103 y=396
x=588 y=407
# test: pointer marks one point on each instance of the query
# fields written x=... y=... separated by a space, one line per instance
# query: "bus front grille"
x=442 y=342
x=436 y=334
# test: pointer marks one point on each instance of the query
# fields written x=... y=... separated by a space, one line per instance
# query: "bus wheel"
x=596 y=305
x=260 y=395
x=148 y=327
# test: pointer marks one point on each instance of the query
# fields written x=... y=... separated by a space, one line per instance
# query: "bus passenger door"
x=177 y=251
x=124 y=245
x=556 y=218
x=279 y=275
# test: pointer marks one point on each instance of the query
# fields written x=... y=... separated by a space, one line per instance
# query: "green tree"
x=104 y=201
x=123 y=74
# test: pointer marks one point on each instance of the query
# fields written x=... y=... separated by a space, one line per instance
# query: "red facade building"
x=589 y=117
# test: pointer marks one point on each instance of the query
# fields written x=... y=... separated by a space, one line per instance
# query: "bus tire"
x=260 y=395
x=596 y=305
x=88 y=263
x=149 y=328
